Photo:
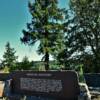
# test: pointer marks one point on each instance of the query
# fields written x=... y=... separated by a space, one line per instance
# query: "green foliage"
x=6 y=69
x=9 y=58
x=81 y=74
x=46 y=27
x=82 y=36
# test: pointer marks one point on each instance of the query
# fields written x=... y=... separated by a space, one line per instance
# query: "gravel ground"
x=97 y=98
x=95 y=92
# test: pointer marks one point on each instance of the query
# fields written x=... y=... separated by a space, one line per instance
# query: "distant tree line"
x=10 y=62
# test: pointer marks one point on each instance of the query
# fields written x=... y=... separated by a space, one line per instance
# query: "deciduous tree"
x=85 y=29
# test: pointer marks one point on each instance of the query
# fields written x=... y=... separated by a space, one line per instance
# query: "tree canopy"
x=46 y=27
x=71 y=36
x=85 y=29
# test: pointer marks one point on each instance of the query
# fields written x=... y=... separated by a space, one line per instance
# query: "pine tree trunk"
x=46 y=61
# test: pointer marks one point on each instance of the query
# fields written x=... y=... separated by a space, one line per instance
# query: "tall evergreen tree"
x=46 y=27
x=9 y=57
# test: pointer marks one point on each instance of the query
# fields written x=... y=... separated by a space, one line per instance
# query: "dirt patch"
x=1 y=88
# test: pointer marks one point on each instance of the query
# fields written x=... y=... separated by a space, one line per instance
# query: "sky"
x=14 y=14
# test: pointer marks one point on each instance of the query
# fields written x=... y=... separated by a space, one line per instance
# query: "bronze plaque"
x=57 y=84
